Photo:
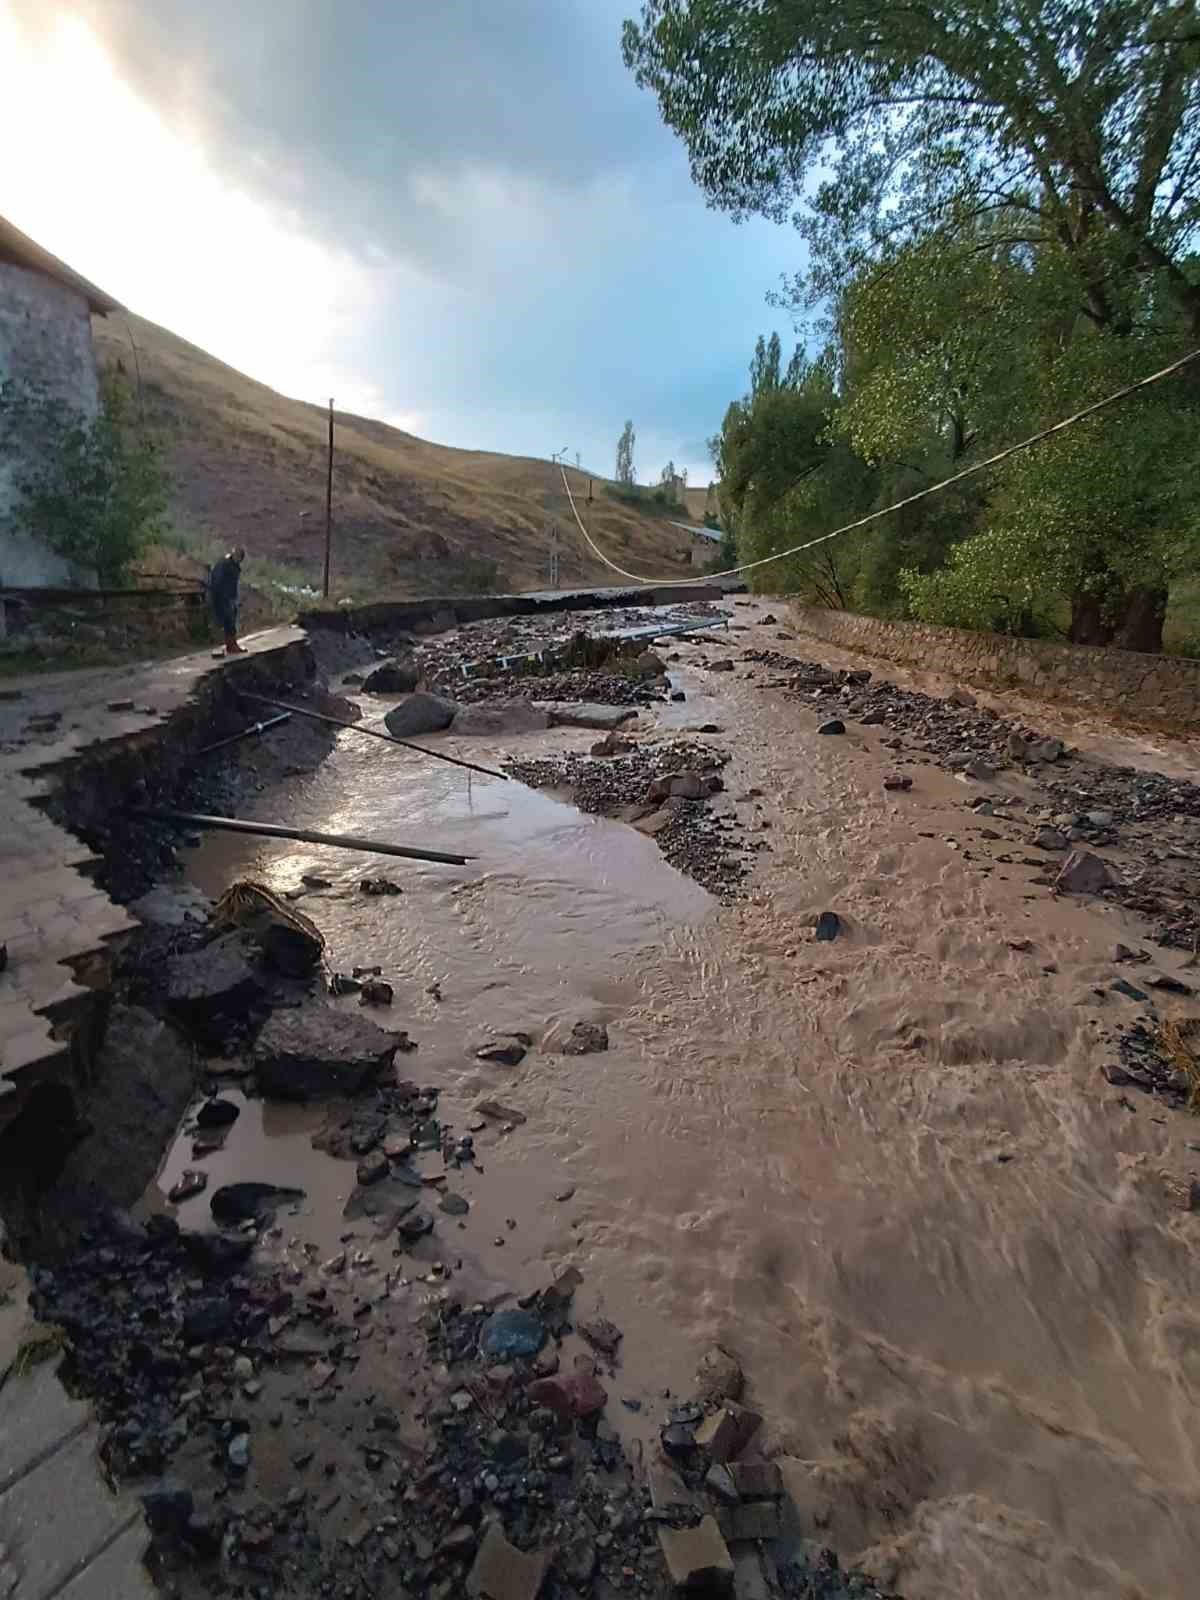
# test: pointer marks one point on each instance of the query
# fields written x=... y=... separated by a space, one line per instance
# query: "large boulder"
x=393 y=677
x=316 y=1052
x=1084 y=873
x=420 y=713
x=585 y=714
x=211 y=989
x=500 y=717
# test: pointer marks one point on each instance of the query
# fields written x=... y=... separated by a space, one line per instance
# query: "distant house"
x=45 y=339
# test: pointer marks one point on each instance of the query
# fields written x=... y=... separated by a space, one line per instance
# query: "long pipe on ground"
x=272 y=830
x=372 y=733
x=255 y=727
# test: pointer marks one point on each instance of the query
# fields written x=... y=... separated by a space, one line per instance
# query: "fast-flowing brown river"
x=886 y=1171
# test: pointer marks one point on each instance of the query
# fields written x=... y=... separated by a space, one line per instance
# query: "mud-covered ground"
x=899 y=1117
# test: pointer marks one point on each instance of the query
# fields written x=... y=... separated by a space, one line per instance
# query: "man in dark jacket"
x=223 y=583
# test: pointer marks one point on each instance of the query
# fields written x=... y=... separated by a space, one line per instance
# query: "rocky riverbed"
x=900 y=1126
x=372 y=1420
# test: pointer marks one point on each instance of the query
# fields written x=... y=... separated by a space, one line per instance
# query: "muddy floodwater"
x=886 y=1171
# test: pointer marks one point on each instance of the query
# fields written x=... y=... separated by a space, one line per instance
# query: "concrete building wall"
x=46 y=339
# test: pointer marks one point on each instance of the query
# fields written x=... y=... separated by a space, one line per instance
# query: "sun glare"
x=104 y=183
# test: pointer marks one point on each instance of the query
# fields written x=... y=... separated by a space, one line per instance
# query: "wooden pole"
x=271 y=830
x=372 y=733
x=329 y=502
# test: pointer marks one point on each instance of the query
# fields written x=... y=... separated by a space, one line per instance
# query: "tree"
x=1079 y=123
x=95 y=491
x=625 y=468
x=1100 y=519
x=668 y=475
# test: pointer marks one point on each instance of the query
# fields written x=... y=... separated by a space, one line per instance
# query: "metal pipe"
x=372 y=733
x=272 y=830
x=257 y=727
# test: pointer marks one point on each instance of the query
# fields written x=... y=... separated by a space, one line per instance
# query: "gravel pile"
x=597 y=688
x=694 y=839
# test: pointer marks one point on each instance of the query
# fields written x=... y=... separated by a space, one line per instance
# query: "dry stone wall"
x=1163 y=690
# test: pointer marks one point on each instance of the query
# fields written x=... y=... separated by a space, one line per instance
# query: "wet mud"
x=893 y=1170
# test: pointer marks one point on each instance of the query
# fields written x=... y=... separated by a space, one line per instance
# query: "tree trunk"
x=1089 y=619
x=1142 y=626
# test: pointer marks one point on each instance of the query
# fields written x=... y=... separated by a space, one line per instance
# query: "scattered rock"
x=756 y=1480
x=416 y=1225
x=497 y=717
x=242 y=1202
x=315 y=1052
x=168 y=1505
x=1044 y=750
x=760 y=1520
x=454 y=1205
x=190 y=1184
x=375 y=992
x=392 y=677
x=378 y=886
x=207 y=1320
x=1123 y=953
x=1050 y=839
x=897 y=783
x=828 y=926
x=697 y=1559
x=981 y=770
x=507 y=1334
x=503 y=1052
x=212 y=989
x=1083 y=873
x=601 y=1333
x=719 y=1375
x=420 y=713
x=727 y=1432
x=1168 y=983
x=585 y=1039
x=217 y=1114
x=834 y=725
x=500 y=1113
x=649 y=665
x=502 y=1572
x=373 y=1168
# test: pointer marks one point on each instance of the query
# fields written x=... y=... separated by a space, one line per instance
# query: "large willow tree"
x=1058 y=140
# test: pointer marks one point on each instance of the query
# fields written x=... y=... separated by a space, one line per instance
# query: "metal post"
x=329 y=503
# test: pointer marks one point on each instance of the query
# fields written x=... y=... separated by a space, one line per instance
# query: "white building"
x=45 y=339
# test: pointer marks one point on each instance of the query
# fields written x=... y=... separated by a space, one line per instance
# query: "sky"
x=462 y=217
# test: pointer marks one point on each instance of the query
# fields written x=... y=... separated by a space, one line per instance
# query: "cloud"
x=478 y=217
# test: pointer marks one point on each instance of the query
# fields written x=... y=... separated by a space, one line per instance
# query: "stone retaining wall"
x=1152 y=689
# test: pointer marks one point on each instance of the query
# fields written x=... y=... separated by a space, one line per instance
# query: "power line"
x=922 y=494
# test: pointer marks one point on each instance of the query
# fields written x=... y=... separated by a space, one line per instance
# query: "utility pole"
x=329 y=503
x=554 y=555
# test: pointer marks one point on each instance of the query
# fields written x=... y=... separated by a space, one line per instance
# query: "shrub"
x=95 y=492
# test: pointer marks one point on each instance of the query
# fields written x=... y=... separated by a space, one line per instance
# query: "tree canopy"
x=1079 y=123
x=1000 y=201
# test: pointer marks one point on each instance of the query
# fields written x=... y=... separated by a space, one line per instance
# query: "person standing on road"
x=223 y=583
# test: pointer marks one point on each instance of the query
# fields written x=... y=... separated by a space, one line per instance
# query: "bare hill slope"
x=410 y=517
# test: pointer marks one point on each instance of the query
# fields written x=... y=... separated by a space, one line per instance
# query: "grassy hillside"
x=410 y=517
